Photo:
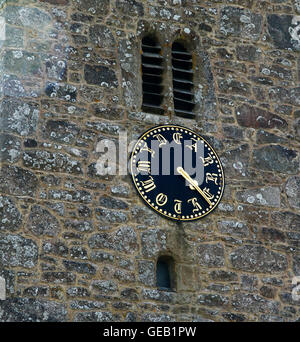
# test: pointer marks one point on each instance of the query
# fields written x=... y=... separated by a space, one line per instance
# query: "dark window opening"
x=152 y=71
x=182 y=68
x=164 y=273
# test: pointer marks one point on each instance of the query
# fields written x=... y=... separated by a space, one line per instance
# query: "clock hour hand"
x=185 y=175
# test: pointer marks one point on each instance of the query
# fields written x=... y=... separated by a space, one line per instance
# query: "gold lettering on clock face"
x=161 y=199
x=147 y=149
x=197 y=206
x=211 y=177
x=177 y=206
x=207 y=193
x=208 y=160
x=143 y=166
x=193 y=147
x=177 y=138
x=162 y=140
x=148 y=184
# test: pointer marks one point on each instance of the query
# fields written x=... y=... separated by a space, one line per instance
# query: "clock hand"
x=193 y=183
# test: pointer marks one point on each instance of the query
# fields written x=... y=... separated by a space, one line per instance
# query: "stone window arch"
x=203 y=106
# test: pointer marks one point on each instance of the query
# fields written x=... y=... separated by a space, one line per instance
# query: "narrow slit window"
x=152 y=76
x=182 y=69
x=164 y=273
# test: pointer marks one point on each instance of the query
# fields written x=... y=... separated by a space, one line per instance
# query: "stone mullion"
x=168 y=81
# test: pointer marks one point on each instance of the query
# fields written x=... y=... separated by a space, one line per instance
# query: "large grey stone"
x=236 y=161
x=56 y=68
x=258 y=259
x=286 y=220
x=284 y=95
x=296 y=265
x=253 y=303
x=32 y=310
x=221 y=275
x=17 y=181
x=13 y=86
x=104 y=286
x=146 y=272
x=18 y=117
x=98 y=316
x=239 y=22
x=249 y=53
x=59 y=277
x=80 y=267
x=55 y=247
x=125 y=240
x=279 y=30
x=61 y=131
x=153 y=242
x=42 y=223
x=264 y=137
x=144 y=216
x=15 y=250
x=104 y=127
x=294 y=98
x=276 y=158
x=30 y=17
x=79 y=226
x=209 y=299
x=14 y=37
x=111 y=216
x=81 y=196
x=100 y=75
x=10 y=148
x=100 y=240
x=157 y=317
x=93 y=7
x=267 y=196
x=249 y=116
x=101 y=36
x=61 y=91
x=211 y=255
x=253 y=214
x=232 y=86
x=161 y=296
x=112 y=203
x=292 y=190
x=51 y=161
x=130 y=7
x=10 y=216
x=233 y=227
x=22 y=62
x=105 y=112
x=297 y=125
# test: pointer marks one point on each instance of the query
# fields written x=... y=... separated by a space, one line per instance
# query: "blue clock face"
x=177 y=173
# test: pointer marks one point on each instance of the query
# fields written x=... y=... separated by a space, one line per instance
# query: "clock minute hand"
x=193 y=183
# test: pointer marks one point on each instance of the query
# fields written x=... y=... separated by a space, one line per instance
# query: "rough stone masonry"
x=76 y=246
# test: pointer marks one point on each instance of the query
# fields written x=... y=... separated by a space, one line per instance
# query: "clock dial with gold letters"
x=177 y=173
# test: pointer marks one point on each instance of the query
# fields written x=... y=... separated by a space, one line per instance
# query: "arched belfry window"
x=152 y=75
x=182 y=70
x=165 y=273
